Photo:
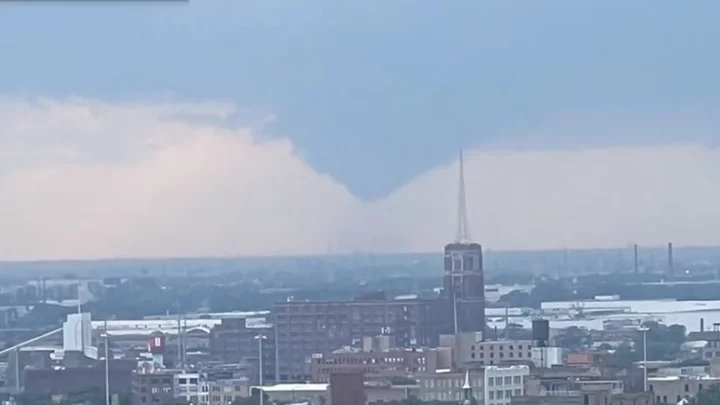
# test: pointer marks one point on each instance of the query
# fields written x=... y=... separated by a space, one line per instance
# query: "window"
x=517 y=380
x=518 y=391
x=498 y=380
x=154 y=390
x=519 y=347
x=182 y=380
x=651 y=387
x=687 y=389
x=491 y=382
x=508 y=380
x=510 y=347
x=491 y=395
x=508 y=393
x=499 y=395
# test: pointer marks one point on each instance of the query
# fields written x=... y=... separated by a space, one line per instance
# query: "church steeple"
x=467 y=390
x=462 y=233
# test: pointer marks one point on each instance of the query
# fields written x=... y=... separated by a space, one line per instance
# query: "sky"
x=265 y=128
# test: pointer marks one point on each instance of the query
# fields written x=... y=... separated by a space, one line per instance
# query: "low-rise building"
x=152 y=388
x=501 y=384
x=223 y=392
x=469 y=348
x=590 y=398
x=314 y=394
x=673 y=389
x=448 y=386
x=387 y=363
x=192 y=387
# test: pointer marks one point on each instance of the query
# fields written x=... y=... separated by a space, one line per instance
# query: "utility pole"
x=107 y=365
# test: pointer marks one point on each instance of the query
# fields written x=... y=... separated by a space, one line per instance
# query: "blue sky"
x=375 y=93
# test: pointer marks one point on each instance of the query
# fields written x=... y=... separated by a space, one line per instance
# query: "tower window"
x=468 y=262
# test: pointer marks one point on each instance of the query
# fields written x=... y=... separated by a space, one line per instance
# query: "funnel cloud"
x=90 y=179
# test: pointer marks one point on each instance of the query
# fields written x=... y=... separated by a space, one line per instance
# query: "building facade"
x=233 y=341
x=399 y=362
x=495 y=352
x=673 y=389
x=223 y=392
x=192 y=387
x=501 y=384
x=306 y=328
x=464 y=286
x=448 y=386
x=152 y=388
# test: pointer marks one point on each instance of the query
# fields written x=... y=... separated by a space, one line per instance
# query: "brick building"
x=347 y=389
x=305 y=328
x=398 y=362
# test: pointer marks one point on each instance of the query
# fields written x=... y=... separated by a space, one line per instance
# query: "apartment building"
x=501 y=384
x=306 y=328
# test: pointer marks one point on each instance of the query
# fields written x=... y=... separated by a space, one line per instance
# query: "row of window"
x=501 y=355
x=156 y=390
x=448 y=383
x=504 y=380
x=499 y=347
x=500 y=394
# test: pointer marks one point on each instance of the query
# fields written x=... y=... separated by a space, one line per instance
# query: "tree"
x=574 y=338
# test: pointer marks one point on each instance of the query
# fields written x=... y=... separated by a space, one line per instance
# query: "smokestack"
x=671 y=269
x=635 y=258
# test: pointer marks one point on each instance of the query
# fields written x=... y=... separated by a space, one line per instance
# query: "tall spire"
x=462 y=234
x=467 y=386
